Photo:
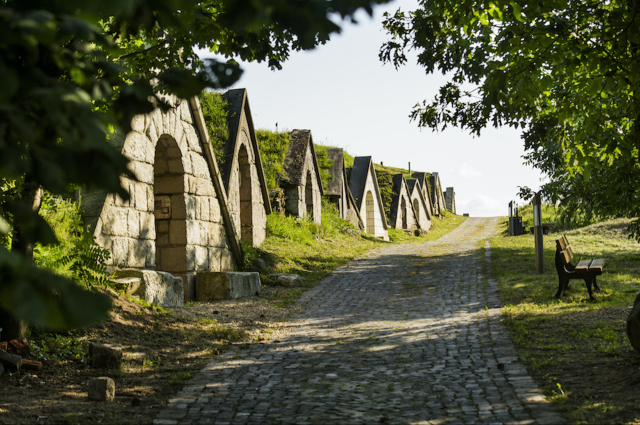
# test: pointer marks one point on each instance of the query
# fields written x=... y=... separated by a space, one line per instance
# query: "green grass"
x=578 y=344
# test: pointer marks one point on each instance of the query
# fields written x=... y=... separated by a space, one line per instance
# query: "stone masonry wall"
x=423 y=218
x=256 y=223
x=450 y=199
x=374 y=209
x=296 y=196
x=411 y=219
x=194 y=237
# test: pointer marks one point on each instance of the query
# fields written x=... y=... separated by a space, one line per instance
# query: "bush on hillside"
x=273 y=149
x=214 y=110
x=324 y=163
x=77 y=256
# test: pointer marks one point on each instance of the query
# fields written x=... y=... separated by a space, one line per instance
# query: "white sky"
x=347 y=98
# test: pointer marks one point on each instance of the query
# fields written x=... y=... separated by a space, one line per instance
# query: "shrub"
x=273 y=149
x=214 y=110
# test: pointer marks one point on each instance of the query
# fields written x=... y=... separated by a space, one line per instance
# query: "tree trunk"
x=31 y=195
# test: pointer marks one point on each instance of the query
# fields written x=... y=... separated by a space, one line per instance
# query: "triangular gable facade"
x=242 y=172
x=420 y=205
x=402 y=214
x=422 y=179
x=177 y=219
x=437 y=197
x=303 y=185
x=338 y=191
x=366 y=193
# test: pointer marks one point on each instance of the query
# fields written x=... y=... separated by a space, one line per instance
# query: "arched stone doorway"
x=246 y=199
x=403 y=207
x=170 y=209
x=371 y=219
x=416 y=207
x=308 y=195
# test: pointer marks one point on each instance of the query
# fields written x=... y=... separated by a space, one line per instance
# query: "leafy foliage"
x=324 y=163
x=73 y=71
x=385 y=184
x=567 y=72
x=273 y=149
x=215 y=115
x=77 y=256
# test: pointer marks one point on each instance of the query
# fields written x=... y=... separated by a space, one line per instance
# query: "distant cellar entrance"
x=403 y=207
x=246 y=191
x=416 y=206
x=371 y=223
x=308 y=195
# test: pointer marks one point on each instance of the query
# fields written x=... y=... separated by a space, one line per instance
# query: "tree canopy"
x=567 y=71
x=72 y=71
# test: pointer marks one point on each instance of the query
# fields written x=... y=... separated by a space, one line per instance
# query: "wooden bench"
x=586 y=270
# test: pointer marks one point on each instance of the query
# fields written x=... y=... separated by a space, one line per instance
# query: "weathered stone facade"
x=242 y=172
x=303 y=185
x=176 y=219
x=421 y=207
x=338 y=190
x=402 y=214
x=437 y=197
x=364 y=187
x=450 y=199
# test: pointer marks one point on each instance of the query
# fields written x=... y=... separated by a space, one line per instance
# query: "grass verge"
x=576 y=350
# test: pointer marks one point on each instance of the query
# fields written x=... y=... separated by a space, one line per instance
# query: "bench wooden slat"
x=567 y=254
x=597 y=264
x=583 y=266
x=562 y=242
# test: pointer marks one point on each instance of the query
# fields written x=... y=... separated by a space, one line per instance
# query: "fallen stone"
x=105 y=356
x=417 y=232
x=226 y=285
x=4 y=345
x=633 y=325
x=31 y=365
x=10 y=361
x=159 y=288
x=286 y=279
x=21 y=347
x=102 y=389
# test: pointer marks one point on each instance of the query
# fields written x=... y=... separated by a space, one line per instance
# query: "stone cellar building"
x=303 y=184
x=338 y=191
x=423 y=180
x=450 y=199
x=364 y=187
x=421 y=206
x=402 y=214
x=177 y=219
x=437 y=196
x=242 y=172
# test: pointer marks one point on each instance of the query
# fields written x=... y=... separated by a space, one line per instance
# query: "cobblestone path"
x=406 y=334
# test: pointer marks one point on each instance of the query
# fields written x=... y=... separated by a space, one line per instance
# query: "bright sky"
x=347 y=98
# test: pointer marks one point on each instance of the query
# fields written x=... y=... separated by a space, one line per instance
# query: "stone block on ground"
x=286 y=279
x=4 y=345
x=10 y=361
x=102 y=389
x=105 y=356
x=159 y=288
x=258 y=265
x=212 y=286
x=633 y=325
